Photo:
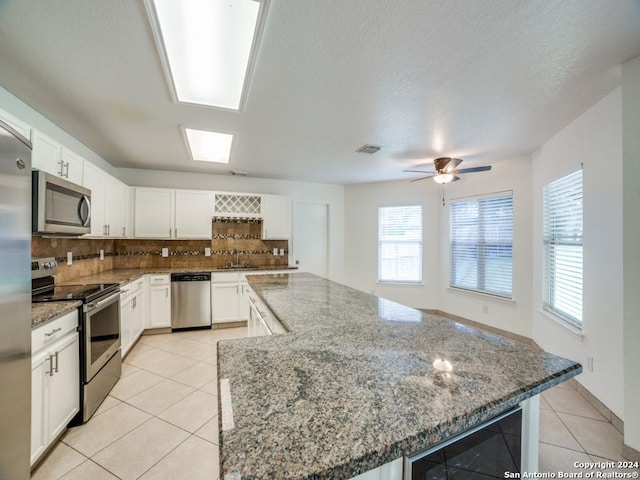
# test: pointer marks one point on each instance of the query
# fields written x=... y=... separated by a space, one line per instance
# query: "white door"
x=311 y=237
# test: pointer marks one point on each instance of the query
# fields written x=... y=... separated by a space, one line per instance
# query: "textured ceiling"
x=483 y=80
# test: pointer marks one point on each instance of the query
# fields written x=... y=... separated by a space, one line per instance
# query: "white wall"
x=595 y=140
x=333 y=195
x=361 y=239
x=23 y=112
x=511 y=315
x=631 y=226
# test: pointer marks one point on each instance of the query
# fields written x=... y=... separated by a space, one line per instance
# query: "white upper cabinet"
x=49 y=156
x=18 y=125
x=165 y=213
x=109 y=201
x=154 y=213
x=193 y=214
x=276 y=224
x=116 y=206
x=96 y=180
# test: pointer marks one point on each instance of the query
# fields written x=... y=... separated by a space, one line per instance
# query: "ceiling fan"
x=445 y=170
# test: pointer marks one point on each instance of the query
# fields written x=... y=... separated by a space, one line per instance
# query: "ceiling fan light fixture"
x=443 y=178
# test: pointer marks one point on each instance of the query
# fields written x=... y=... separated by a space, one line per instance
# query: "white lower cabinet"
x=228 y=302
x=132 y=313
x=55 y=380
x=159 y=301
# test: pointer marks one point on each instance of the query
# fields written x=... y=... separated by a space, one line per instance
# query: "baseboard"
x=630 y=453
x=221 y=326
x=156 y=331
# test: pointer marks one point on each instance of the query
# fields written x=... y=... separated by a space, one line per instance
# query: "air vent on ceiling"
x=370 y=149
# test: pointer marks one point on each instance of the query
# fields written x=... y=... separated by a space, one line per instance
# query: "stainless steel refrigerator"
x=15 y=304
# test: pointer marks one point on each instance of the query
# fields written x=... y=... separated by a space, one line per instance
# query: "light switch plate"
x=165 y=252
x=282 y=252
x=101 y=254
x=69 y=258
x=207 y=252
x=275 y=251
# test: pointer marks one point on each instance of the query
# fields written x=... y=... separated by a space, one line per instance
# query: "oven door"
x=101 y=333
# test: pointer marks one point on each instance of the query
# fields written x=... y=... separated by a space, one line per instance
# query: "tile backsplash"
x=232 y=241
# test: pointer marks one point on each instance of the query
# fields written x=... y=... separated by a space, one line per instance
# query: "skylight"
x=207 y=47
x=209 y=146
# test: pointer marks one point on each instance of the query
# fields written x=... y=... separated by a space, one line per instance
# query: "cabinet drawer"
x=47 y=334
x=159 y=280
x=138 y=284
x=225 y=277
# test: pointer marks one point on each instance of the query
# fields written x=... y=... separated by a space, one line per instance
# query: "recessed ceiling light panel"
x=207 y=47
x=207 y=146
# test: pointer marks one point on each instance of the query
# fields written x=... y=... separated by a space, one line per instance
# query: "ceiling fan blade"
x=419 y=171
x=446 y=164
x=455 y=179
x=422 y=178
x=472 y=170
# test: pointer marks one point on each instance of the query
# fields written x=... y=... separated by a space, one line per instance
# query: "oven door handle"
x=90 y=307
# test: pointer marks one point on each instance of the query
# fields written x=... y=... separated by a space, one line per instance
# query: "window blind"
x=400 y=243
x=562 y=232
x=482 y=244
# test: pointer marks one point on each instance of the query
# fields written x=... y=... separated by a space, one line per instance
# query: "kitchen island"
x=353 y=385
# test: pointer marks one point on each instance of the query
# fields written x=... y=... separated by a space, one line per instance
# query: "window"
x=562 y=231
x=482 y=244
x=400 y=244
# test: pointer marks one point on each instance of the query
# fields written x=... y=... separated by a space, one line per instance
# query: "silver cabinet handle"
x=167 y=292
x=61 y=173
x=50 y=372
x=108 y=230
x=124 y=229
x=66 y=175
x=175 y=233
x=56 y=368
x=53 y=331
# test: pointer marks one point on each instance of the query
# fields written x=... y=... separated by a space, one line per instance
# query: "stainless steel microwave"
x=59 y=206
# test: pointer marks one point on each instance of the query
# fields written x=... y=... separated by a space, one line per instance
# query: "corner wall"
x=631 y=232
x=595 y=140
x=361 y=239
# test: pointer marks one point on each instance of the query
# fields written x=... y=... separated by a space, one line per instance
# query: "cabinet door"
x=153 y=216
x=225 y=302
x=126 y=320
x=72 y=166
x=96 y=180
x=244 y=302
x=193 y=214
x=116 y=207
x=64 y=385
x=137 y=324
x=40 y=365
x=18 y=125
x=159 y=306
x=275 y=217
x=47 y=154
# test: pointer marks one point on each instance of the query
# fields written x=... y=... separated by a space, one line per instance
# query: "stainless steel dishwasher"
x=190 y=300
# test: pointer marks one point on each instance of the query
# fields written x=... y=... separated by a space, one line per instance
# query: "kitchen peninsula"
x=359 y=381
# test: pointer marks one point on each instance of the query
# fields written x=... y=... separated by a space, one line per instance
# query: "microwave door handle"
x=85 y=221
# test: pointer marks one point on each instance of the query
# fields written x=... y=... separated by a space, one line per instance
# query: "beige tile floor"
x=167 y=394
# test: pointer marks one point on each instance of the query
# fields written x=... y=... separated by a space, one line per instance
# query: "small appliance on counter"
x=100 y=358
x=59 y=206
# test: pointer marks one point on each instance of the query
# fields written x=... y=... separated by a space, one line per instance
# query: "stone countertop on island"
x=353 y=385
x=42 y=313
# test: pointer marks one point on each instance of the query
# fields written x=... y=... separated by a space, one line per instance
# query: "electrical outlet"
x=207 y=251
x=282 y=252
x=69 y=258
x=101 y=254
x=165 y=252
x=485 y=309
x=275 y=251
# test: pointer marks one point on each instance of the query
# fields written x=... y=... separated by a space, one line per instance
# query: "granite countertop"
x=126 y=275
x=42 y=313
x=353 y=385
